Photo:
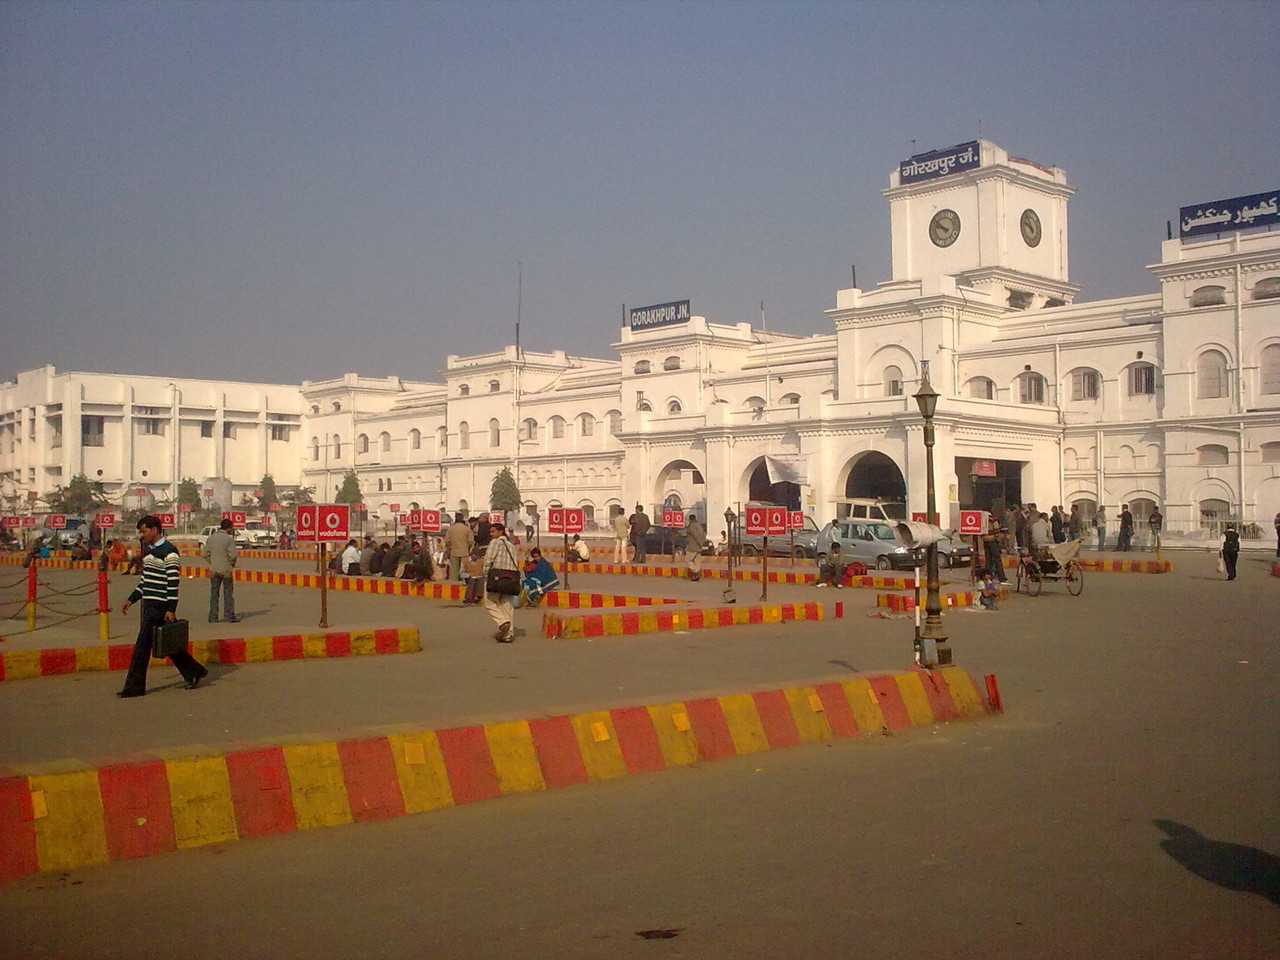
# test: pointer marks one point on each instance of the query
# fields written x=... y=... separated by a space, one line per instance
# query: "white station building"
x=1170 y=398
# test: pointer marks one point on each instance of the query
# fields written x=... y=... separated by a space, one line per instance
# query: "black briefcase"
x=170 y=636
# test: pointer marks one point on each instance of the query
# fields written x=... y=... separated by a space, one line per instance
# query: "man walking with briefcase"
x=158 y=591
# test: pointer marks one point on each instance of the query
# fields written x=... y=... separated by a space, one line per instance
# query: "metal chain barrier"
x=33 y=602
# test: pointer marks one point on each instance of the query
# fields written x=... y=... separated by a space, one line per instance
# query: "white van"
x=207 y=532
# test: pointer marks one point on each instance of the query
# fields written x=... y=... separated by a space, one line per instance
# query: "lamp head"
x=927 y=398
x=729 y=515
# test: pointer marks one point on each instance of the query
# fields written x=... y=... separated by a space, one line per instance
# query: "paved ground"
x=1125 y=806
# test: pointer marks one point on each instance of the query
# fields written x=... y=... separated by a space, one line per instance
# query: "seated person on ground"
x=539 y=577
x=990 y=589
x=831 y=569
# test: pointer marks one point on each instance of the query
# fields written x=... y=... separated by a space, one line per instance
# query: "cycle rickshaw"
x=1057 y=562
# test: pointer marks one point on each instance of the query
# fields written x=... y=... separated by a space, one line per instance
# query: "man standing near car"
x=639 y=523
x=622 y=533
x=458 y=542
x=220 y=554
x=695 y=541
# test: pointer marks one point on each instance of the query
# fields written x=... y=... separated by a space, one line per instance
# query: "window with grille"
x=91 y=431
x=1031 y=388
x=1142 y=379
x=1084 y=385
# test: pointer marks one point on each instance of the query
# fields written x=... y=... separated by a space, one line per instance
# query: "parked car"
x=874 y=543
x=869 y=508
x=260 y=535
x=663 y=540
x=240 y=538
x=805 y=544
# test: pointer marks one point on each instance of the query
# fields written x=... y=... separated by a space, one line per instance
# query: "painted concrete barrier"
x=558 y=626
x=575 y=601
x=1126 y=566
x=68 y=815
x=905 y=603
x=55 y=661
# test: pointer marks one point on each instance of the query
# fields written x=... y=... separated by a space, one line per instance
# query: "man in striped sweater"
x=158 y=591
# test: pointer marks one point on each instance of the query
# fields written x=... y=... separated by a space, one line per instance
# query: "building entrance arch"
x=680 y=483
x=760 y=490
x=875 y=475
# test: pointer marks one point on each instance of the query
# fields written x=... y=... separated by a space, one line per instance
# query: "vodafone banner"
x=104 y=521
x=767 y=521
x=565 y=520
x=166 y=519
x=237 y=517
x=973 y=522
x=56 y=521
x=324 y=522
x=673 y=518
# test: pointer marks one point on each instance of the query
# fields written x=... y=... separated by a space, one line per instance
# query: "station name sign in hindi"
x=660 y=315
x=1238 y=213
x=940 y=163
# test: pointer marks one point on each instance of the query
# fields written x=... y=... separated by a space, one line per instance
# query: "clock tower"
x=994 y=222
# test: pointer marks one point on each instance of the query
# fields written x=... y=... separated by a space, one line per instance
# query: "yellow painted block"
x=200 y=793
x=91 y=658
x=679 y=621
x=865 y=705
x=514 y=757
x=964 y=693
x=206 y=651
x=744 y=723
x=913 y=695
x=316 y=782
x=681 y=722
x=21 y=664
x=363 y=643
x=73 y=833
x=675 y=735
x=612 y=623
x=807 y=711
x=313 y=645
x=603 y=758
x=257 y=649
x=410 y=639
x=424 y=781
x=771 y=614
x=647 y=622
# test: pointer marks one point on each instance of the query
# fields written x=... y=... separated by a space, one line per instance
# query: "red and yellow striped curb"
x=55 y=661
x=1126 y=566
x=555 y=625
x=1275 y=569
x=901 y=603
x=574 y=601
x=70 y=815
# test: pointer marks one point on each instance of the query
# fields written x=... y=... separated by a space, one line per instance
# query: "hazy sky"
x=287 y=191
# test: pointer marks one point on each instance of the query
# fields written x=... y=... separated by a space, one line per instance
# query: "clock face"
x=944 y=228
x=1030 y=224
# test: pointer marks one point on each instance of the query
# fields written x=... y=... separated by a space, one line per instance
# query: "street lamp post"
x=934 y=647
x=730 y=518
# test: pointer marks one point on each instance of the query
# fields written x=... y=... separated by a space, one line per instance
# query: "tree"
x=189 y=493
x=504 y=494
x=350 y=492
x=301 y=495
x=80 y=496
x=269 y=494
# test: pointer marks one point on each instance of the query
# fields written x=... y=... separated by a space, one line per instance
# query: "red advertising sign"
x=275 y=508
x=673 y=518
x=105 y=521
x=141 y=492
x=404 y=519
x=258 y=492
x=236 y=517
x=395 y=508
x=430 y=522
x=28 y=521
x=984 y=468
x=973 y=522
x=566 y=520
x=184 y=508
x=767 y=521
x=56 y=521
x=208 y=492
x=920 y=518
x=166 y=519
x=795 y=519
x=415 y=520
x=11 y=522
x=324 y=522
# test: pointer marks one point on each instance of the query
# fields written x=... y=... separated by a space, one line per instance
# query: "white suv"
x=240 y=538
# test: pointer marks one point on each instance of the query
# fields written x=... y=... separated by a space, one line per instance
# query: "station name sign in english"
x=940 y=163
x=660 y=315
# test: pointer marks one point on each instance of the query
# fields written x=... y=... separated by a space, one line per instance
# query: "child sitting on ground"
x=990 y=589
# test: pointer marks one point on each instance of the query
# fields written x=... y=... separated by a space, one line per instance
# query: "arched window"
x=362 y=443
x=442 y=438
x=1212 y=455
x=384 y=442
x=673 y=407
x=982 y=388
x=614 y=419
x=315 y=448
x=892 y=381
x=495 y=433
x=557 y=428
x=1271 y=452
x=586 y=425
x=671 y=363
x=529 y=429
x=1031 y=388
x=1211 y=375
x=1085 y=384
x=337 y=406
x=644 y=405
x=494 y=386
x=464 y=436
x=1268 y=288
x=1208 y=296
x=315 y=408
x=415 y=439
x=642 y=366
x=379 y=484
x=464 y=390
x=1142 y=379
x=1214 y=515
x=790 y=399
x=337 y=447
x=1269 y=379
x=753 y=403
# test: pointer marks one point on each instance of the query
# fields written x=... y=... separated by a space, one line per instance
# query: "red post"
x=993 y=693
x=839 y=609
x=31 y=594
x=104 y=608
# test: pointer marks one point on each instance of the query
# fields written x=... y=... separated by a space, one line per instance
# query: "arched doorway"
x=679 y=483
x=760 y=490
x=876 y=476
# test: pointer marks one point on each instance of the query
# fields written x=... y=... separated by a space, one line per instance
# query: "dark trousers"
x=638 y=544
x=1229 y=561
x=136 y=679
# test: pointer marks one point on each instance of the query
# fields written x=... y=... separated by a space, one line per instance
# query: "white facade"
x=1170 y=398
